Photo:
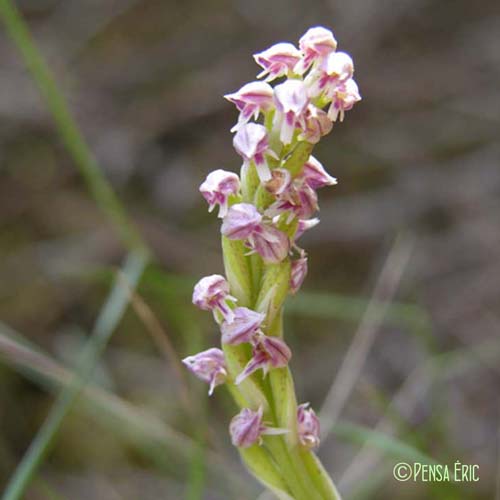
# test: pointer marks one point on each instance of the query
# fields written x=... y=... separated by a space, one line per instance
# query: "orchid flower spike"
x=209 y=366
x=268 y=352
x=278 y=60
x=315 y=44
x=252 y=99
x=251 y=144
x=245 y=325
x=218 y=187
x=308 y=426
x=211 y=293
x=291 y=102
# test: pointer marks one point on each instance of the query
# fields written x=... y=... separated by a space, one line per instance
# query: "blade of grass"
x=418 y=383
x=106 y=323
x=355 y=357
x=71 y=136
x=137 y=426
x=390 y=445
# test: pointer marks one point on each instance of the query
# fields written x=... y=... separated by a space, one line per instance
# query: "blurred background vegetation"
x=395 y=335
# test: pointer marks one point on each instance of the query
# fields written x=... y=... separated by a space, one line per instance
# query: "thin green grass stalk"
x=145 y=431
x=390 y=445
x=70 y=134
x=106 y=323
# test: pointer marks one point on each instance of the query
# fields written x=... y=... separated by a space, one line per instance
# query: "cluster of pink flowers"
x=316 y=88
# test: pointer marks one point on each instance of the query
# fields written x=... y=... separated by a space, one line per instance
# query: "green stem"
x=289 y=470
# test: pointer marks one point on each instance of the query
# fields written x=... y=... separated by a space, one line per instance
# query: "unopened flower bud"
x=278 y=60
x=244 y=327
x=218 y=186
x=211 y=293
x=252 y=99
x=209 y=366
x=308 y=426
x=247 y=428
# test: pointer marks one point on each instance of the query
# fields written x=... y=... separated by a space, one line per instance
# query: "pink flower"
x=244 y=327
x=335 y=70
x=244 y=222
x=251 y=143
x=291 y=102
x=300 y=200
x=308 y=426
x=317 y=124
x=216 y=189
x=252 y=99
x=246 y=428
x=209 y=366
x=315 y=44
x=344 y=98
x=271 y=244
x=278 y=60
x=298 y=273
x=268 y=352
x=211 y=293
x=315 y=175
